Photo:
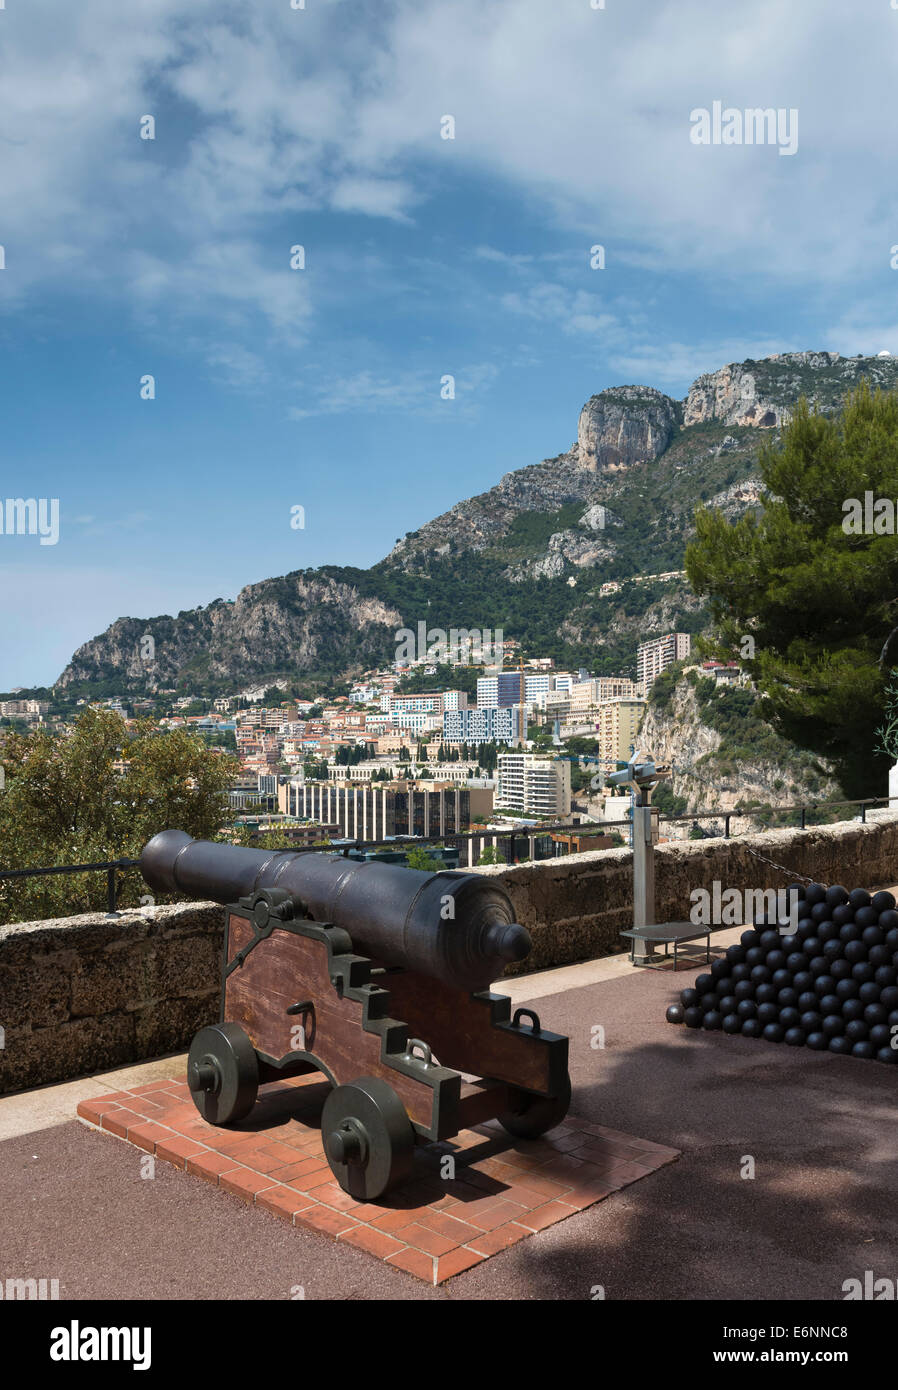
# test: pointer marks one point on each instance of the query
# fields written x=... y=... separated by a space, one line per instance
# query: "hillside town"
x=532 y=749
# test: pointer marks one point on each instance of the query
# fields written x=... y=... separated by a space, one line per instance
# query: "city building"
x=377 y=811
x=617 y=722
x=504 y=724
x=654 y=657
x=534 y=784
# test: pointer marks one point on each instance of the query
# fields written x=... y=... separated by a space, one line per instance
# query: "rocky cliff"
x=555 y=553
x=293 y=623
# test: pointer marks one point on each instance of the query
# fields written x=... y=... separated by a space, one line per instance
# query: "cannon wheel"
x=368 y=1137
x=531 y=1115
x=222 y=1073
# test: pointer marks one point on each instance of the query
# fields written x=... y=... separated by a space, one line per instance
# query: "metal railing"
x=585 y=830
x=110 y=865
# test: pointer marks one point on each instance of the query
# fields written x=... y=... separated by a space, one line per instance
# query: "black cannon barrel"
x=457 y=927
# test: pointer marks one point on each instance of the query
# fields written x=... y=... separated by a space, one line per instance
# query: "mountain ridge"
x=538 y=554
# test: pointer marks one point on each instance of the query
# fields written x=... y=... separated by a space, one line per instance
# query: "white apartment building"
x=534 y=784
x=617 y=723
x=654 y=657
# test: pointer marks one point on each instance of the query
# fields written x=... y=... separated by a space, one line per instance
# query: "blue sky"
x=424 y=257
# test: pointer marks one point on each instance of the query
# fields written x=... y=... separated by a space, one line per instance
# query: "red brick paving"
x=433 y=1228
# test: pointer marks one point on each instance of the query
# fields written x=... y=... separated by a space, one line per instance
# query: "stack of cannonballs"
x=832 y=985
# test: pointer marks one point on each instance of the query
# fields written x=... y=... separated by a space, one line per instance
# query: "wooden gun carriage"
x=375 y=975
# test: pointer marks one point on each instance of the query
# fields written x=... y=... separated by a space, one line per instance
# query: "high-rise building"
x=377 y=811
x=617 y=723
x=481 y=725
x=654 y=657
x=534 y=785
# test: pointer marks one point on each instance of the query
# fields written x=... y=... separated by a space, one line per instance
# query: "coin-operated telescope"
x=642 y=777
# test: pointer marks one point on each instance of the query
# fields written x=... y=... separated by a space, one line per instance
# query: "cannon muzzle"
x=457 y=927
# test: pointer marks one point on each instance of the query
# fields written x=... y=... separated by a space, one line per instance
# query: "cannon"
x=377 y=976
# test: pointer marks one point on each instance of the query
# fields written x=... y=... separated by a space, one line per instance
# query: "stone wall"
x=82 y=994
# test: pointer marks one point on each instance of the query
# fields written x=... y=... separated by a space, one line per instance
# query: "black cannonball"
x=798 y=889
x=802 y=980
x=787 y=998
x=859 y=897
x=744 y=990
x=788 y=944
x=819 y=966
x=811 y=1022
x=872 y=936
x=836 y=895
x=735 y=954
x=704 y=984
x=817 y=1041
x=883 y=901
x=789 y=1018
x=866 y=917
x=852 y=1008
x=819 y=912
x=768 y=1013
x=840 y=969
x=888 y=920
x=720 y=968
x=794 y=1037
x=879 y=955
x=833 y=1025
x=760 y=974
x=766 y=992
x=830 y=1004
x=855 y=951
x=807 y=1001
x=832 y=949
x=747 y=1008
x=751 y=1028
x=692 y=1017
x=891 y=936
x=863 y=1049
x=728 y=1004
x=842 y=916
x=887 y=1055
x=880 y=1035
x=827 y=931
x=811 y=947
x=806 y=927
x=708 y=1003
x=740 y=972
x=776 y=960
x=814 y=893
x=889 y=998
x=869 y=992
x=781 y=979
x=847 y=989
x=770 y=940
x=824 y=984
x=773 y=1033
x=875 y=1013
x=750 y=938
x=850 y=932
x=712 y=1020
x=856 y=1030
x=862 y=972
x=840 y=1045
x=732 y=1023
x=885 y=975
x=756 y=955
x=796 y=961
x=689 y=997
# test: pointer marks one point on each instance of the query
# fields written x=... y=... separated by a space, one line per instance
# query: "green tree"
x=65 y=802
x=490 y=855
x=418 y=857
x=805 y=604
